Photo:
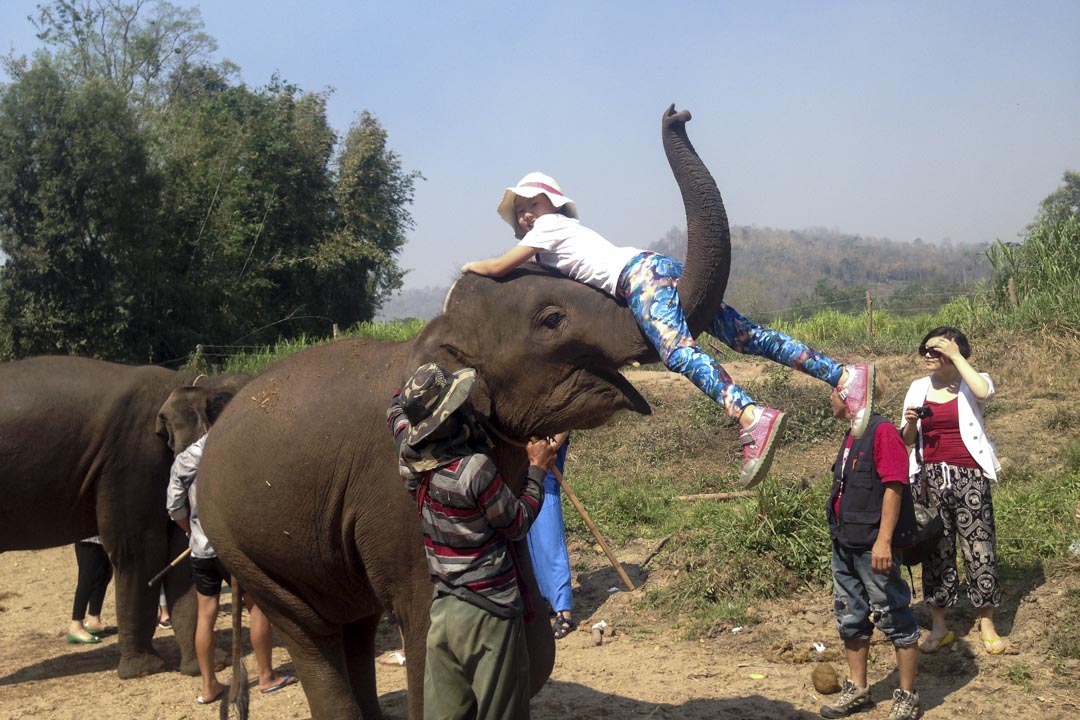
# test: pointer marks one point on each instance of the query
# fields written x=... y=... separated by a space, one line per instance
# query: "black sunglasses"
x=927 y=352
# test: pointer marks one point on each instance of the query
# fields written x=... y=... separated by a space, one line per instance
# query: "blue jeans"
x=863 y=598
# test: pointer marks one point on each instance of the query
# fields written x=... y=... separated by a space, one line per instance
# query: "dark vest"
x=860 y=505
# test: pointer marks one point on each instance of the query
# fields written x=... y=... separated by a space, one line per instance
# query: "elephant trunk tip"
x=673 y=117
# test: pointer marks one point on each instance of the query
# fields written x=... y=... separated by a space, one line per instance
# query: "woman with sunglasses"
x=943 y=421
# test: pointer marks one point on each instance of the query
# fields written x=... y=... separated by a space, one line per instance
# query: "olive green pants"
x=477 y=665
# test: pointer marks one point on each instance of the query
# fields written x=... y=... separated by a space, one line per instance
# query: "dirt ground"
x=642 y=669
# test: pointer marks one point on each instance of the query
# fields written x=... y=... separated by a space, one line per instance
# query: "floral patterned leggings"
x=649 y=283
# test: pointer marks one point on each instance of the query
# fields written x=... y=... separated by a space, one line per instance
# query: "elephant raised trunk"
x=708 y=240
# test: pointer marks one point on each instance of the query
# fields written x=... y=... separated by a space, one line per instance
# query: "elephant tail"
x=238 y=687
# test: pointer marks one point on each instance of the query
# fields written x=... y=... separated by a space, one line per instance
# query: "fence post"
x=333 y=330
x=1012 y=292
x=869 y=315
x=197 y=361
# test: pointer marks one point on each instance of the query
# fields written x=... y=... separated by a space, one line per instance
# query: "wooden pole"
x=1012 y=293
x=869 y=315
x=592 y=527
x=168 y=567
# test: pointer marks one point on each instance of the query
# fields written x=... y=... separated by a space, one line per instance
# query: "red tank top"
x=941 y=436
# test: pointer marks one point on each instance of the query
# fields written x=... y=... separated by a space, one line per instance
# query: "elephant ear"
x=433 y=346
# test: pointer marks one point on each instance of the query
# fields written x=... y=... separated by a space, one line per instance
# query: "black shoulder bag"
x=927 y=518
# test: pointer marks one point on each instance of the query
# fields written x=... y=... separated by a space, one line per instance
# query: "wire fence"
x=205 y=355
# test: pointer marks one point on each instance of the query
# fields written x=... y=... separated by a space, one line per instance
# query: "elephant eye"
x=552 y=319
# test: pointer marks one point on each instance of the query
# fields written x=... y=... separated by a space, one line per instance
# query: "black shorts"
x=209 y=573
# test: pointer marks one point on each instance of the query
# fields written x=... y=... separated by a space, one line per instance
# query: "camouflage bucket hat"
x=432 y=395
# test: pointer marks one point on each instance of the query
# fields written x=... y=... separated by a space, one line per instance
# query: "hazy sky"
x=893 y=119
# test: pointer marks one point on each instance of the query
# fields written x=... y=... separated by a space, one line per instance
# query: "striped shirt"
x=468 y=514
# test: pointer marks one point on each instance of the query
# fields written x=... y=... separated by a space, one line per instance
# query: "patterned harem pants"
x=962 y=495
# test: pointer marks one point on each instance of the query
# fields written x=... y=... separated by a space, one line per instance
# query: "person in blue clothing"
x=547 y=549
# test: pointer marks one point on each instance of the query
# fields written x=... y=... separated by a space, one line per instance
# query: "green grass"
x=255 y=361
x=726 y=556
x=1020 y=674
x=1066 y=645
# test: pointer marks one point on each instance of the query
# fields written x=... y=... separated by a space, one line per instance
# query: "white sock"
x=751 y=426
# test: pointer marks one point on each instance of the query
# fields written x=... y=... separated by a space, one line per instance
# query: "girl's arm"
x=499 y=266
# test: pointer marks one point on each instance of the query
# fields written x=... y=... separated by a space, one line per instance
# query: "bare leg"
x=204 y=647
x=262 y=642
x=907 y=661
x=857 y=652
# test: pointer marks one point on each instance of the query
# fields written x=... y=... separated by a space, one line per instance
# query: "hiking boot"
x=851 y=700
x=858 y=395
x=905 y=705
x=759 y=445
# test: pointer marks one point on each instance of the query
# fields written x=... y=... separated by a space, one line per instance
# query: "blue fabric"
x=863 y=598
x=649 y=283
x=547 y=544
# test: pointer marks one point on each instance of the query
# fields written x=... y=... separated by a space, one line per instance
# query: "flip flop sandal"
x=994 y=645
x=933 y=644
x=199 y=700
x=286 y=681
x=563 y=626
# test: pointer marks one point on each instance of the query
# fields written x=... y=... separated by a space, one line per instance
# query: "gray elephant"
x=79 y=456
x=299 y=484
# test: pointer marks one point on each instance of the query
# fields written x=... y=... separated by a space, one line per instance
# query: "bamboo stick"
x=592 y=528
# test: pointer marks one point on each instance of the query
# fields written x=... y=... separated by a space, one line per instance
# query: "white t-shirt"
x=576 y=251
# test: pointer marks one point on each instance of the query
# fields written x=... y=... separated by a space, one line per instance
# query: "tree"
x=140 y=51
x=1062 y=203
x=75 y=192
x=148 y=204
x=372 y=194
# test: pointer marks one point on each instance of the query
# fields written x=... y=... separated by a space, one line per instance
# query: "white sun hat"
x=532 y=185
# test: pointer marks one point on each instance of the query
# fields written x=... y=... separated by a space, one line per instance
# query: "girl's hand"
x=910 y=416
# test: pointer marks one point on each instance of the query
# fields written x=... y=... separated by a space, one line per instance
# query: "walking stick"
x=179 y=558
x=592 y=527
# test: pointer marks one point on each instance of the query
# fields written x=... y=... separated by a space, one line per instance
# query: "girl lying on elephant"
x=545 y=223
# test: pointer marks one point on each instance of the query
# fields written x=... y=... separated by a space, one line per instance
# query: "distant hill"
x=423 y=303
x=775 y=270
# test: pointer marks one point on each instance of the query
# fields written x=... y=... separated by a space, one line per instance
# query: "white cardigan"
x=972 y=430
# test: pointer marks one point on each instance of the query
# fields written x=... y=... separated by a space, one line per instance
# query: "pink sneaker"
x=858 y=394
x=759 y=445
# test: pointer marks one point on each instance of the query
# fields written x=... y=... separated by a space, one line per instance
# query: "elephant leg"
x=359 y=638
x=136 y=613
x=324 y=674
x=182 y=604
x=317 y=648
x=135 y=559
x=538 y=635
x=413 y=613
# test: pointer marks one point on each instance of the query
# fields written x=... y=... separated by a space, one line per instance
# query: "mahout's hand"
x=541 y=452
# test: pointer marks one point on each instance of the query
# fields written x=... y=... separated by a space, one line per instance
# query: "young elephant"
x=299 y=480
